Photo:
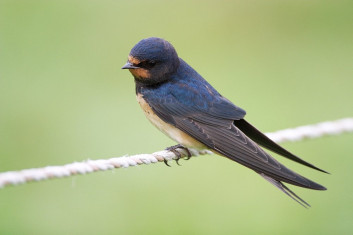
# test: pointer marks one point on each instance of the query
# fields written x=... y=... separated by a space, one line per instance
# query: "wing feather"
x=211 y=121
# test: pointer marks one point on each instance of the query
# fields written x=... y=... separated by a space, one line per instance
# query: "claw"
x=166 y=162
x=189 y=154
x=176 y=153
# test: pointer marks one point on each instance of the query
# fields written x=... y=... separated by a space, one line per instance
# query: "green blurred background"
x=64 y=98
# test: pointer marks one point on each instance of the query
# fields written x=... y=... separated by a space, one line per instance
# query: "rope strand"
x=49 y=172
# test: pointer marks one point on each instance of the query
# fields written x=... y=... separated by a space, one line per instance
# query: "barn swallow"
x=185 y=107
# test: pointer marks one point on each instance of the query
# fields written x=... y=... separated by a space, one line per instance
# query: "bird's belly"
x=168 y=129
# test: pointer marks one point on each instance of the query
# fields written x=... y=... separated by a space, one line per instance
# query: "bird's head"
x=152 y=61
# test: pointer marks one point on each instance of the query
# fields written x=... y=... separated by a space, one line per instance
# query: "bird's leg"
x=174 y=150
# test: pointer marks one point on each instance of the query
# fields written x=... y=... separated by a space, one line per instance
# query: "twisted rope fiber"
x=49 y=172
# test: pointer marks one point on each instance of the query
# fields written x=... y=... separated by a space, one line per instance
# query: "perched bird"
x=185 y=107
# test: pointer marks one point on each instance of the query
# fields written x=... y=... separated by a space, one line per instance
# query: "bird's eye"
x=148 y=64
x=152 y=63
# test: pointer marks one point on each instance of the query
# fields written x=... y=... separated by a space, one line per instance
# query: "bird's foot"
x=177 y=153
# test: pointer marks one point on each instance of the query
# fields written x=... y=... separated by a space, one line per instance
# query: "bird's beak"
x=129 y=65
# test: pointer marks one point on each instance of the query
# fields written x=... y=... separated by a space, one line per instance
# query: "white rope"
x=312 y=131
x=49 y=172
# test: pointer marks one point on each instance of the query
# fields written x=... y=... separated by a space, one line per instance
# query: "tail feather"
x=286 y=190
x=266 y=142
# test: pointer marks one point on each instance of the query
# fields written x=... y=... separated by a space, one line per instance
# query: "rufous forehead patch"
x=140 y=73
x=133 y=60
